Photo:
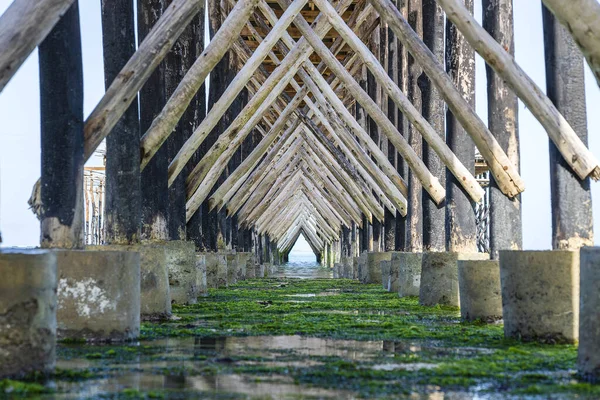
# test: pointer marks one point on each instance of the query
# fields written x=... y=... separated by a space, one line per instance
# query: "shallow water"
x=203 y=359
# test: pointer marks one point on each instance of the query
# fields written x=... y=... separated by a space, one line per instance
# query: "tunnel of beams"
x=296 y=199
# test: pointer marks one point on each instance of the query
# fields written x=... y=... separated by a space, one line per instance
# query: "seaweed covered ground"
x=311 y=338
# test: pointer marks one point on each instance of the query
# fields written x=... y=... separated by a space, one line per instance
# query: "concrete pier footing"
x=362 y=271
x=439 y=277
x=232 y=268
x=409 y=272
x=181 y=262
x=385 y=266
x=28 y=281
x=480 y=293
x=393 y=276
x=98 y=295
x=242 y=262
x=261 y=271
x=347 y=270
x=216 y=270
x=540 y=295
x=336 y=271
x=250 y=267
x=588 y=360
x=354 y=268
x=155 y=301
x=201 y=284
x=372 y=271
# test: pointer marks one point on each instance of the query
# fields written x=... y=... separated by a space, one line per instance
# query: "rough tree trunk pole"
x=582 y=17
x=392 y=113
x=30 y=21
x=460 y=214
x=61 y=106
x=572 y=222
x=434 y=108
x=178 y=62
x=123 y=187
x=414 y=218
x=402 y=123
x=374 y=92
x=155 y=199
x=506 y=232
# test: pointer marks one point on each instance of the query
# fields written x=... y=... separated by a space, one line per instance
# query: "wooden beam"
x=23 y=26
x=573 y=150
x=505 y=173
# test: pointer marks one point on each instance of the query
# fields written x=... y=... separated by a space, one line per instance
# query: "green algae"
x=422 y=349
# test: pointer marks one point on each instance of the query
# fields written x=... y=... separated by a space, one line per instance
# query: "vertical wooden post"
x=392 y=112
x=123 y=186
x=572 y=223
x=415 y=189
x=374 y=91
x=61 y=106
x=434 y=225
x=366 y=242
x=402 y=125
x=460 y=214
x=155 y=201
x=506 y=231
x=194 y=230
x=180 y=59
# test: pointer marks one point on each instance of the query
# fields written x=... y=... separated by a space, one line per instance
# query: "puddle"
x=403 y=367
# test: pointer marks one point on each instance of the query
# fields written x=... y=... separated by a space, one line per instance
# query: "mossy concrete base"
x=216 y=270
x=155 y=300
x=261 y=271
x=385 y=266
x=336 y=270
x=181 y=261
x=232 y=268
x=439 y=277
x=250 y=267
x=480 y=293
x=372 y=272
x=201 y=284
x=588 y=360
x=393 y=275
x=98 y=295
x=28 y=281
x=362 y=270
x=409 y=272
x=540 y=295
x=354 y=267
x=242 y=262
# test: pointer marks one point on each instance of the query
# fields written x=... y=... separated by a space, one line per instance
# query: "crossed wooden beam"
x=315 y=169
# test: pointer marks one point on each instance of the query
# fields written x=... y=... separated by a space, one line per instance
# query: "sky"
x=20 y=121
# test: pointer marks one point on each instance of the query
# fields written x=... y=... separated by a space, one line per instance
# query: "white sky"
x=20 y=142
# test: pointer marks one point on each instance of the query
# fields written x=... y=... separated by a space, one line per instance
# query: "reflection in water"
x=236 y=366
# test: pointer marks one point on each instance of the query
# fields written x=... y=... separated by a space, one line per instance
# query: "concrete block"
x=250 y=268
x=155 y=301
x=181 y=262
x=28 y=281
x=232 y=268
x=98 y=295
x=201 y=284
x=540 y=295
x=439 y=277
x=216 y=270
x=480 y=292
x=393 y=275
x=373 y=267
x=362 y=270
x=242 y=262
x=409 y=272
x=261 y=271
x=354 y=267
x=385 y=266
x=588 y=360
x=336 y=271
